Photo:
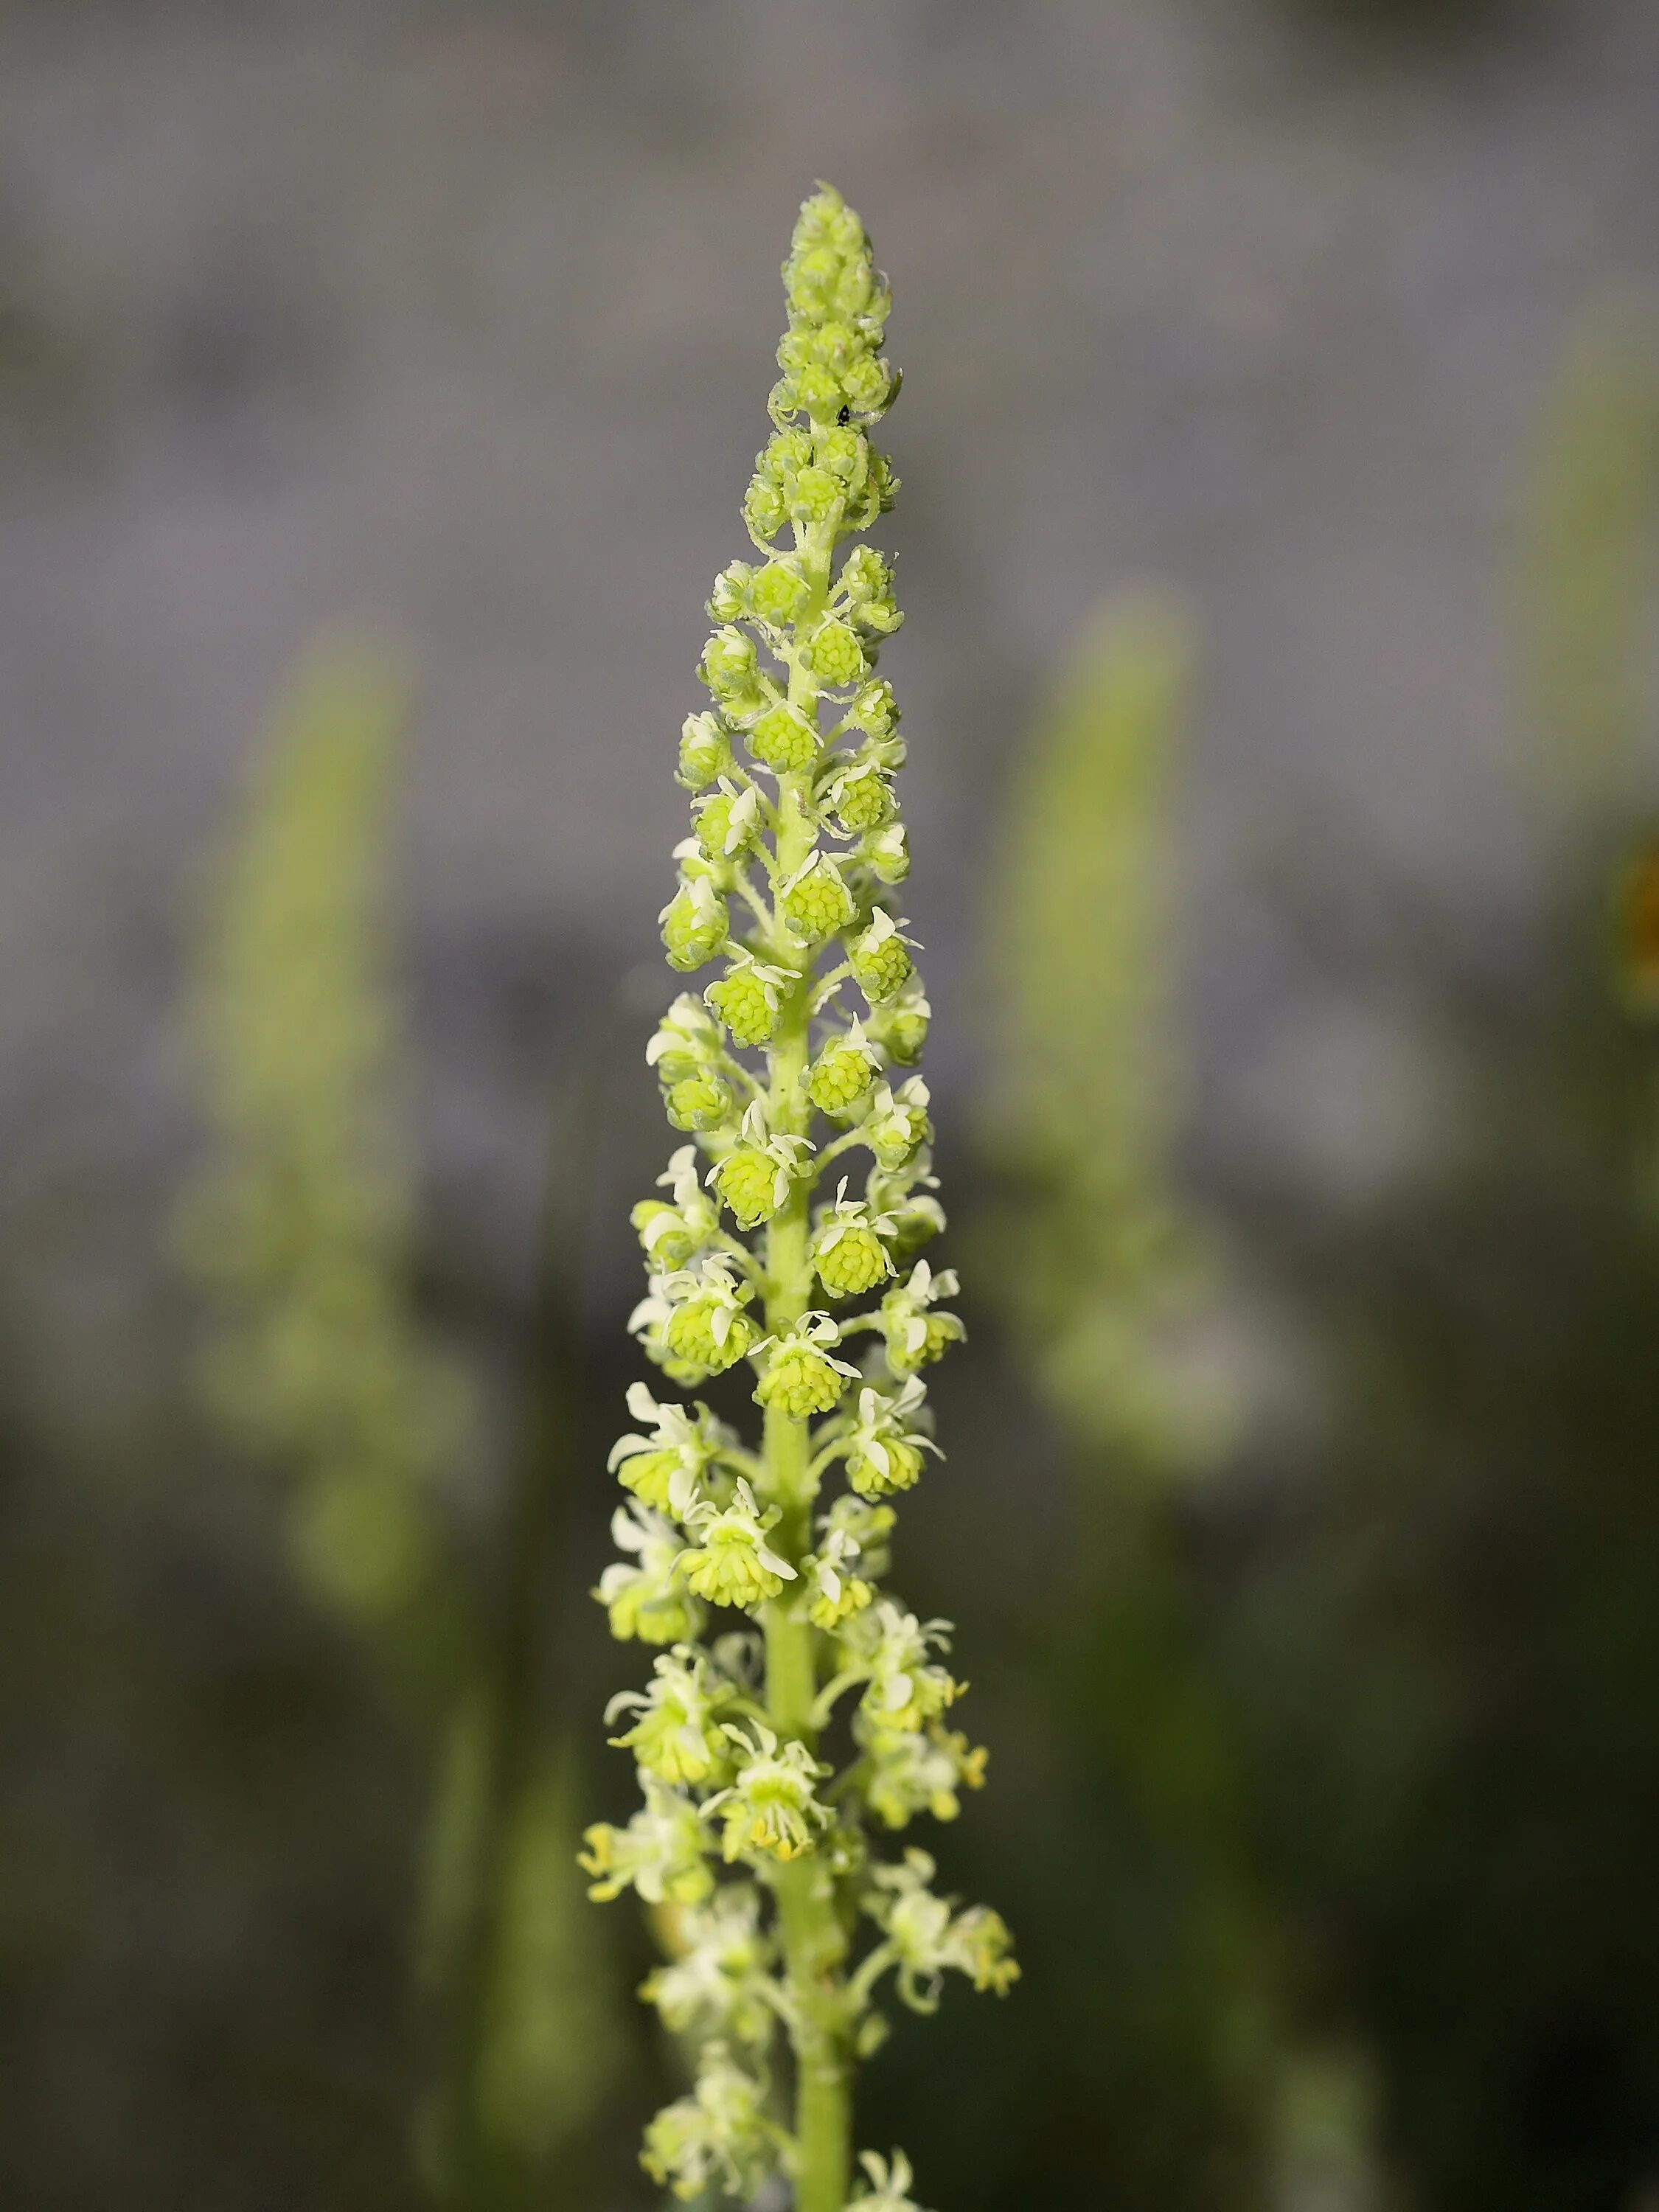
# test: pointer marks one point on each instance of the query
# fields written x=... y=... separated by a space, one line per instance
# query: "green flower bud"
x=691 y=1337
x=898 y=1128
x=818 y=904
x=727 y=823
x=730 y=597
x=705 y=752
x=783 y=740
x=902 y=1029
x=748 y=999
x=845 y=454
x=875 y=710
x=860 y=800
x=748 y=1181
x=875 y=1473
x=851 y=1260
x=728 y=667
x=777 y=594
x=886 y=853
x=801 y=1378
x=700 y=1102
x=881 y=961
x=868 y=385
x=817 y=495
x=732 y=1563
x=647 y=1602
x=815 y=392
x=785 y=453
x=765 y=510
x=843 y=1072
x=865 y=575
x=669 y=1239
x=695 y=925
x=836 y=657
x=680 y=1736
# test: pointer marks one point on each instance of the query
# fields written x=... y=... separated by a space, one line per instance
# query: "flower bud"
x=783 y=739
x=800 y=1377
x=860 y=800
x=881 y=962
x=727 y=823
x=875 y=710
x=694 y=923
x=834 y=656
x=817 y=903
x=747 y=1181
x=777 y=594
x=705 y=752
x=901 y=1028
x=730 y=597
x=817 y=495
x=886 y=853
x=851 y=1259
x=728 y=668
x=700 y=1103
x=748 y=1000
x=843 y=1072
x=765 y=510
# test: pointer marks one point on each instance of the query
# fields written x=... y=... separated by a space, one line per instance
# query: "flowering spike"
x=796 y=841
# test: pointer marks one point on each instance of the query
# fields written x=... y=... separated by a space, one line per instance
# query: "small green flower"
x=860 y=800
x=647 y=1600
x=731 y=1562
x=801 y=1378
x=700 y=1102
x=927 y=1937
x=754 y=1178
x=918 y=1773
x=835 y=656
x=901 y=1028
x=720 y=2134
x=728 y=822
x=705 y=752
x=748 y=998
x=885 y=1441
x=716 y=1982
x=843 y=1072
x=896 y=1127
x=875 y=710
x=661 y=1853
x=848 y=1248
x=817 y=903
x=778 y=593
x=886 y=853
x=694 y=923
x=783 y=739
x=729 y=667
x=665 y=1469
x=914 y=1335
x=880 y=959
x=679 y=1735
x=889 y=2185
x=772 y=1808
x=694 y=1320
x=730 y=597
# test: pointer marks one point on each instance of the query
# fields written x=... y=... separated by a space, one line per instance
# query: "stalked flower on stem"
x=777 y=1751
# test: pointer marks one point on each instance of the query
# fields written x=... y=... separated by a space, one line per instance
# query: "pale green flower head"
x=795 y=1059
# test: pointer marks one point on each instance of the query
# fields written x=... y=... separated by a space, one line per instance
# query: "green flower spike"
x=787 y=1915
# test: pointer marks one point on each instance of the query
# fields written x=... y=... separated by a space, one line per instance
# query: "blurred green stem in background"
x=303 y=1230
x=1111 y=1291
x=1589 y=570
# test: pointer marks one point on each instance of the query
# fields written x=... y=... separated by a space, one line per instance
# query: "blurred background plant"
x=303 y=1227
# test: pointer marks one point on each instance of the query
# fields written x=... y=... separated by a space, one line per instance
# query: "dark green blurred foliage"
x=1443 y=1620
x=1151 y=2003
x=304 y=1229
x=1444 y=1626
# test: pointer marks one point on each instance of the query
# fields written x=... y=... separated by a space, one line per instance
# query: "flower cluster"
x=784 y=1749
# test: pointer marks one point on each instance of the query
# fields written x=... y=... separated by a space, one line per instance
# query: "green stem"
x=814 y=1946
